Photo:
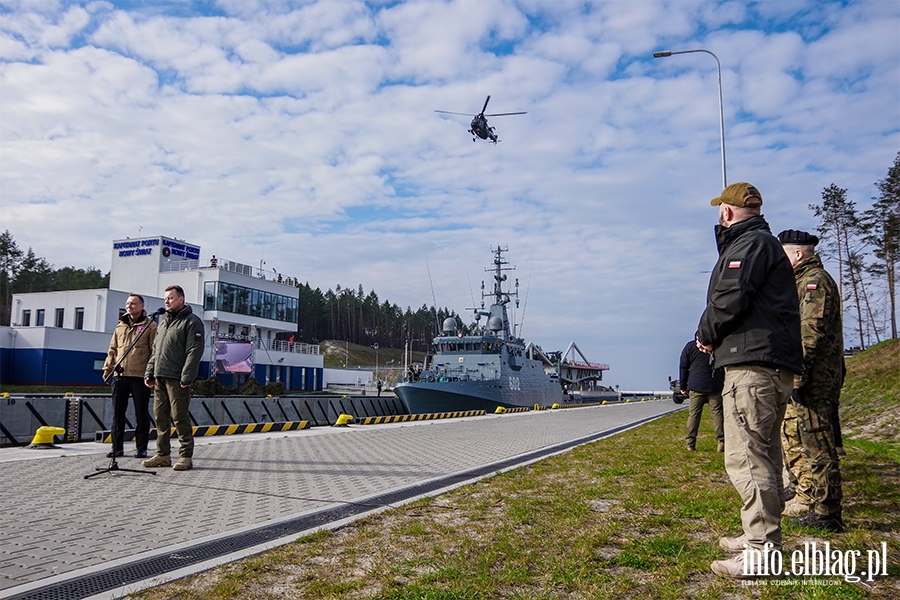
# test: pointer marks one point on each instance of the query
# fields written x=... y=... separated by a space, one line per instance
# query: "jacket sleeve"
x=684 y=367
x=812 y=330
x=150 y=371
x=744 y=269
x=111 y=355
x=194 y=346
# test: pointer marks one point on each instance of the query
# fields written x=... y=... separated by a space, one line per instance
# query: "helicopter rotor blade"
x=484 y=108
x=447 y=112
x=506 y=114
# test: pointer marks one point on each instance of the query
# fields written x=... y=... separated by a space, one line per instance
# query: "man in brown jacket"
x=130 y=378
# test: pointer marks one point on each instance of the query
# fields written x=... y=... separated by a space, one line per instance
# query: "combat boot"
x=730 y=568
x=184 y=464
x=160 y=460
x=721 y=446
x=733 y=544
x=813 y=520
x=796 y=507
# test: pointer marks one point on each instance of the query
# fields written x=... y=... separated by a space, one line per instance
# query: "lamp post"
x=668 y=53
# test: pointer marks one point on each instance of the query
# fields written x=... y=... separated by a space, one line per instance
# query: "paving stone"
x=56 y=521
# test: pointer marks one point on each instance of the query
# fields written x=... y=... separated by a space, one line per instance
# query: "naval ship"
x=485 y=370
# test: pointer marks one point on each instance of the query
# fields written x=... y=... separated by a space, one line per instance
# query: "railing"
x=296 y=348
x=236 y=267
x=179 y=265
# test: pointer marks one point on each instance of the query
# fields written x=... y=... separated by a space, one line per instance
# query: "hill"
x=870 y=398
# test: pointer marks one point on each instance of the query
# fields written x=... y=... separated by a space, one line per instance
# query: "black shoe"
x=789 y=493
x=140 y=454
x=118 y=453
x=814 y=520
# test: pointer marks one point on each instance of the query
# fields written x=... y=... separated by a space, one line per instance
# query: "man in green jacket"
x=172 y=369
x=751 y=326
x=810 y=452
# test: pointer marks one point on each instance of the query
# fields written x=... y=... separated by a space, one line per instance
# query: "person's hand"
x=704 y=349
x=185 y=386
x=148 y=382
x=684 y=393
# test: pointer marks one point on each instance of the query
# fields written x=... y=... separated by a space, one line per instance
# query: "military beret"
x=797 y=238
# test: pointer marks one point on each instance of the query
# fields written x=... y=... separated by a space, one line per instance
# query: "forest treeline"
x=342 y=313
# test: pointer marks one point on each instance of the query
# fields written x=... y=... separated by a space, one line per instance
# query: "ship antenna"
x=437 y=327
x=525 y=304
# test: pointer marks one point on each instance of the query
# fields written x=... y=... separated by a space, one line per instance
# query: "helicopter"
x=479 y=125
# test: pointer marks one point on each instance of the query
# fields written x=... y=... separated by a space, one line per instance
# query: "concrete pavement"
x=59 y=528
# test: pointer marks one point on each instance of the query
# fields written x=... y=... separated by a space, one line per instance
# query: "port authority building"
x=250 y=317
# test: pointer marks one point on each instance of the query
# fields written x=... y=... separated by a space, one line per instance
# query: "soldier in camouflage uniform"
x=808 y=437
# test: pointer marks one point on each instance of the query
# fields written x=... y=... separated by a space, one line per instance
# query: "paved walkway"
x=57 y=526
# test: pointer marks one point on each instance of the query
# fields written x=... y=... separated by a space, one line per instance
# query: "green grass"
x=632 y=516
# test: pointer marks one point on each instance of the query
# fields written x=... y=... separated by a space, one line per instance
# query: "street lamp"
x=668 y=53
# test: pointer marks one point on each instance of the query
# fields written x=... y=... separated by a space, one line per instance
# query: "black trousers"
x=133 y=386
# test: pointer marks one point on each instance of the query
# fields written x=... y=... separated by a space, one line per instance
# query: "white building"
x=239 y=305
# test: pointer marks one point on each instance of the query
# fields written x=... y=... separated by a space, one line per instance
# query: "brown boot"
x=184 y=464
x=160 y=460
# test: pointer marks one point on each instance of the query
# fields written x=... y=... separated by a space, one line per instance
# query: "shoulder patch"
x=198 y=335
x=812 y=286
x=734 y=264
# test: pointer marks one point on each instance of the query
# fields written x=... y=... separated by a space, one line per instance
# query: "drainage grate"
x=140 y=570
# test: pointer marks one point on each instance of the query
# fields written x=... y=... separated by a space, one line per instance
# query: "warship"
x=487 y=369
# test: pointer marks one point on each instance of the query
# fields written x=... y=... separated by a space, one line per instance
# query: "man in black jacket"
x=702 y=384
x=751 y=326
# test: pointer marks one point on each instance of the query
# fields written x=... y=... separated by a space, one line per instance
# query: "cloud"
x=304 y=133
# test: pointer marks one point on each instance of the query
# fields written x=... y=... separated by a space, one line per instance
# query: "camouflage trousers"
x=810 y=456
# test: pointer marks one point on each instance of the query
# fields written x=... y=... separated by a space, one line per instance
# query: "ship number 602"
x=514 y=384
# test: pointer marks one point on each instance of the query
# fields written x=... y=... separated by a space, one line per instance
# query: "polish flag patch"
x=197 y=335
x=812 y=286
x=735 y=264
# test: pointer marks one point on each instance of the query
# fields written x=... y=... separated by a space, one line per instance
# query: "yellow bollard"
x=500 y=410
x=343 y=420
x=555 y=405
x=43 y=437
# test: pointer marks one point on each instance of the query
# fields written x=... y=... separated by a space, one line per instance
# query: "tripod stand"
x=117 y=370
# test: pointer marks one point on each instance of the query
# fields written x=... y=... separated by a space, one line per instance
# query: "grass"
x=572 y=526
x=633 y=516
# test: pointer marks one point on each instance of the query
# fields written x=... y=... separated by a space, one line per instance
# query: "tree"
x=882 y=226
x=840 y=231
x=10 y=259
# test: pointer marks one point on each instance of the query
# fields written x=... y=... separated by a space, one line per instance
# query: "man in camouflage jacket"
x=808 y=438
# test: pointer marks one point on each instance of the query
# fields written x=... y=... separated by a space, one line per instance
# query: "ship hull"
x=434 y=397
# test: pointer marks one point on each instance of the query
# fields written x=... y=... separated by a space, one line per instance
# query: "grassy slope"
x=870 y=398
x=633 y=516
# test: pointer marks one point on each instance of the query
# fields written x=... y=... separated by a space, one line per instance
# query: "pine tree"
x=882 y=226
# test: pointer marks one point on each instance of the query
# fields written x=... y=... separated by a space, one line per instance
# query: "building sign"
x=173 y=248
x=136 y=247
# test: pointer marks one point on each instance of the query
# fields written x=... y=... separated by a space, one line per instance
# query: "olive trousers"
x=170 y=403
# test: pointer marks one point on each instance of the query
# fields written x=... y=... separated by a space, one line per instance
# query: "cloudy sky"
x=304 y=134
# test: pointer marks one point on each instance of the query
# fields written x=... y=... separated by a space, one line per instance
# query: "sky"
x=303 y=134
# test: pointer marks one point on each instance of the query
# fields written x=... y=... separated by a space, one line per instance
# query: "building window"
x=26 y=318
x=60 y=314
x=39 y=318
x=79 y=318
x=228 y=297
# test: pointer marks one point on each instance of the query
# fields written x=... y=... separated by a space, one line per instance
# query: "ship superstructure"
x=488 y=368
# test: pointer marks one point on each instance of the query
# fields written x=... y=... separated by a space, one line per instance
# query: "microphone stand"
x=117 y=369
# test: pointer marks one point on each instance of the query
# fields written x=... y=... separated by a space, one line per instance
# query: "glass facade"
x=228 y=297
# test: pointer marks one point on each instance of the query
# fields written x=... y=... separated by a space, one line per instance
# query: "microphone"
x=159 y=311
